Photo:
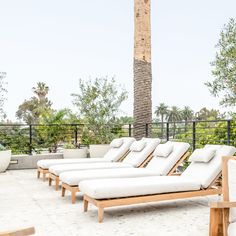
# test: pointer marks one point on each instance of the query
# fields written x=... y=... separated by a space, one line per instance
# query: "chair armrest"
x=222 y=204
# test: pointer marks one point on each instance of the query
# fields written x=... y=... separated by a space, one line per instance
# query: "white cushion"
x=114 y=154
x=116 y=143
x=163 y=150
x=46 y=164
x=137 y=146
x=162 y=166
x=206 y=173
x=232 y=229
x=58 y=169
x=232 y=187
x=202 y=155
x=127 y=187
x=137 y=158
x=73 y=178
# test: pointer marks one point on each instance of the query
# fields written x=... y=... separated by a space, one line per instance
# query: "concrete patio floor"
x=27 y=201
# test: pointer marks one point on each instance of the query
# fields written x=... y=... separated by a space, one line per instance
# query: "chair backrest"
x=114 y=154
x=163 y=165
x=229 y=184
x=137 y=158
x=206 y=173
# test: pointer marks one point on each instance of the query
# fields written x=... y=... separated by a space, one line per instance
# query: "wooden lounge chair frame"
x=42 y=171
x=75 y=189
x=53 y=177
x=213 y=189
x=20 y=232
x=219 y=211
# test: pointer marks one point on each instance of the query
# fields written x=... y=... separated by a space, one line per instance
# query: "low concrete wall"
x=19 y=162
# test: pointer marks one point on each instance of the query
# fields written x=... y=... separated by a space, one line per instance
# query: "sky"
x=60 y=41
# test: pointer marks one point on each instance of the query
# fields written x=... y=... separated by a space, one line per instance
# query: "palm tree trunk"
x=142 y=68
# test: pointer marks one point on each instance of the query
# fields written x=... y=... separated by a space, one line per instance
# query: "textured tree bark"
x=142 y=68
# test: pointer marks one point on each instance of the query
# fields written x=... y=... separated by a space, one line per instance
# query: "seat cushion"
x=73 y=178
x=127 y=187
x=58 y=169
x=46 y=164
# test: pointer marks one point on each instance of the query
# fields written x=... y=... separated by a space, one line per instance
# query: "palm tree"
x=187 y=114
x=174 y=116
x=41 y=90
x=162 y=111
x=142 y=67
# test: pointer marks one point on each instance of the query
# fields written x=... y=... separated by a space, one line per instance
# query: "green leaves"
x=224 y=67
x=98 y=103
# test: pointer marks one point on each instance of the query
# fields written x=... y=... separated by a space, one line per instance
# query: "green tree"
x=54 y=129
x=174 y=116
x=162 y=111
x=98 y=103
x=32 y=110
x=187 y=115
x=224 y=66
x=3 y=92
x=206 y=114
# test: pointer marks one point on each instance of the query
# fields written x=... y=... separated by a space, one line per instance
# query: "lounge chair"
x=166 y=158
x=223 y=214
x=118 y=149
x=198 y=179
x=139 y=153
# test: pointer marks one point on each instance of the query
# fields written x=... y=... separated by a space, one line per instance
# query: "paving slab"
x=28 y=201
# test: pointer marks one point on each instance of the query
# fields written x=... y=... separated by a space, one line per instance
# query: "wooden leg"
x=100 y=214
x=85 y=205
x=57 y=183
x=44 y=176
x=63 y=190
x=225 y=221
x=38 y=174
x=73 y=197
x=49 y=181
x=216 y=222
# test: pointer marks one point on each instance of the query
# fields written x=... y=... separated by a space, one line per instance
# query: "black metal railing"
x=197 y=133
x=22 y=139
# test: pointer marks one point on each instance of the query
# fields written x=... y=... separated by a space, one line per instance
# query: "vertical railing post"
x=76 y=135
x=146 y=130
x=30 y=139
x=194 y=135
x=167 y=131
x=228 y=132
x=130 y=130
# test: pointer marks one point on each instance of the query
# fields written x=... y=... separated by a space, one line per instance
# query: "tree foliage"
x=3 y=92
x=98 y=102
x=32 y=110
x=224 y=66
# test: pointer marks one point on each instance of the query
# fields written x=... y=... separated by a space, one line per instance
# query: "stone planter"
x=5 y=157
x=98 y=150
x=75 y=153
x=19 y=162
